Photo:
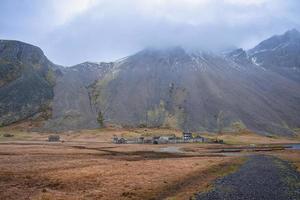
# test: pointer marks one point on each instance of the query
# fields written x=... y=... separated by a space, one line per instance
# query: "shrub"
x=142 y=125
x=100 y=119
x=8 y=135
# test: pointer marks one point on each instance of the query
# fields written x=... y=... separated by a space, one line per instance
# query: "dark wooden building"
x=53 y=138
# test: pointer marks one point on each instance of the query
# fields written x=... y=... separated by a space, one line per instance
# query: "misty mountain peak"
x=236 y=53
x=170 y=56
x=293 y=33
x=162 y=51
x=172 y=86
x=279 y=53
x=277 y=42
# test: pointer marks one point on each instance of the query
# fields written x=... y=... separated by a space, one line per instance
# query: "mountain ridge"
x=170 y=87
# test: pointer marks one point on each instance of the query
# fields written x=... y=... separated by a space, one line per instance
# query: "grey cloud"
x=112 y=29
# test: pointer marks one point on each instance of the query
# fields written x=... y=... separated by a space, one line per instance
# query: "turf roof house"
x=164 y=139
x=198 y=138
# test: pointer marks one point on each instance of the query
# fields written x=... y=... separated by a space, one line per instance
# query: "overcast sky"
x=74 y=31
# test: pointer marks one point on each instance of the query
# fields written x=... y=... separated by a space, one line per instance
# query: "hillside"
x=280 y=53
x=197 y=91
x=27 y=78
x=172 y=87
x=72 y=108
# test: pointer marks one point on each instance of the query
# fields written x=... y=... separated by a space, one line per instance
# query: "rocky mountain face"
x=26 y=81
x=197 y=91
x=280 y=53
x=72 y=108
x=257 y=89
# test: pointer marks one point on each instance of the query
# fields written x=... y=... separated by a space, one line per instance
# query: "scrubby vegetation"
x=100 y=119
x=8 y=135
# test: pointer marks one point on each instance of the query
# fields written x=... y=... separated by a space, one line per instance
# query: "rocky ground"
x=261 y=177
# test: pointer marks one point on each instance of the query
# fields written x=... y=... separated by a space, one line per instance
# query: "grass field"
x=88 y=166
x=80 y=171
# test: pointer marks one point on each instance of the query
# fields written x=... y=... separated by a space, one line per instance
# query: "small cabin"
x=53 y=138
x=198 y=138
x=163 y=140
x=148 y=140
x=122 y=141
x=115 y=139
x=140 y=140
x=167 y=139
x=187 y=136
x=155 y=139
x=172 y=137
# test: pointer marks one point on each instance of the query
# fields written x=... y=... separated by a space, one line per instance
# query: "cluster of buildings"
x=164 y=139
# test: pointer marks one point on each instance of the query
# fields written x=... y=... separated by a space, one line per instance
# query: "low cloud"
x=73 y=31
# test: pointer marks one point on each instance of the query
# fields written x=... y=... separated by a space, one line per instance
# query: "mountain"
x=26 y=81
x=72 y=108
x=280 y=53
x=196 y=91
x=170 y=87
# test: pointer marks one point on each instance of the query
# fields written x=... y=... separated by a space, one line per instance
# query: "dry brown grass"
x=87 y=166
x=22 y=132
x=248 y=137
x=243 y=137
x=290 y=155
x=79 y=171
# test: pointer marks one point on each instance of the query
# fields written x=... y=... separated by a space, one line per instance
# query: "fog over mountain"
x=150 y=99
x=171 y=87
x=199 y=65
x=75 y=31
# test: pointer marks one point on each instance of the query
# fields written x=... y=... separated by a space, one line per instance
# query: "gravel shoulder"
x=261 y=177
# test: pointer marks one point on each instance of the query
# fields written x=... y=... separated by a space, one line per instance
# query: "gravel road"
x=260 y=178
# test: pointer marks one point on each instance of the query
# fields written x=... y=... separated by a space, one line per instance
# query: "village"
x=187 y=137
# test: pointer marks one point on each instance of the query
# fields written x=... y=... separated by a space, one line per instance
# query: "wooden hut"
x=53 y=138
x=122 y=141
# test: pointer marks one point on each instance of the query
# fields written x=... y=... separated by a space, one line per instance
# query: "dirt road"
x=260 y=178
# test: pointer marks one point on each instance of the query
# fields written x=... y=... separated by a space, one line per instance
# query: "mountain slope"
x=197 y=91
x=71 y=107
x=26 y=81
x=169 y=87
x=280 y=53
